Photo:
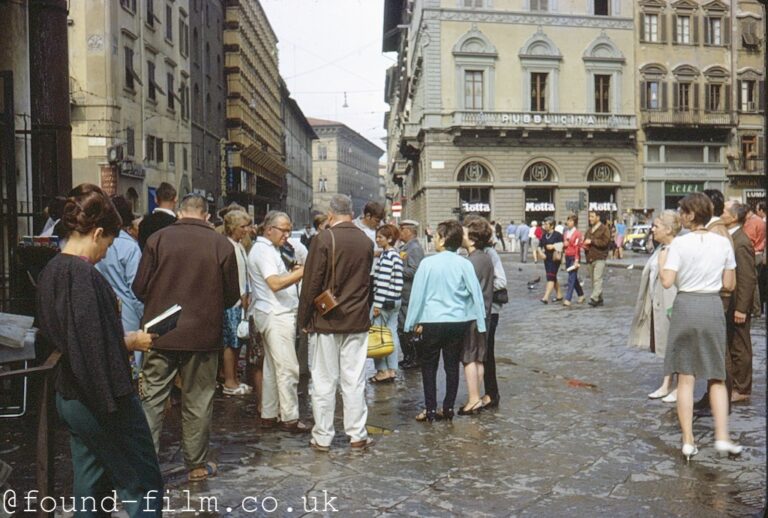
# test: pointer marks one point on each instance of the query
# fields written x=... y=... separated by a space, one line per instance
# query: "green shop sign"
x=681 y=189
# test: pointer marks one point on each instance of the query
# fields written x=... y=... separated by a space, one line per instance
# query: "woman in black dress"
x=551 y=243
x=78 y=313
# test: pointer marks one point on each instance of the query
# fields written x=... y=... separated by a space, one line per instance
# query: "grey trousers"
x=596 y=272
x=198 y=386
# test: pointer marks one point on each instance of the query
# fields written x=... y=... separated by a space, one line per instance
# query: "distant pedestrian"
x=514 y=243
x=523 y=237
x=78 y=314
x=446 y=297
x=428 y=234
x=551 y=246
x=596 y=242
x=700 y=263
x=412 y=254
x=191 y=265
x=754 y=227
x=621 y=230
x=499 y=234
x=534 y=235
x=163 y=215
x=387 y=292
x=340 y=260
x=572 y=242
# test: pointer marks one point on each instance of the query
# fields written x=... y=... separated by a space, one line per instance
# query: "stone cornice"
x=520 y=18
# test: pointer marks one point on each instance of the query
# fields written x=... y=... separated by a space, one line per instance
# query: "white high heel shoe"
x=671 y=397
x=689 y=450
x=727 y=447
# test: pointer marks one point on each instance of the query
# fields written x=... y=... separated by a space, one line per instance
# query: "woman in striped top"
x=387 y=288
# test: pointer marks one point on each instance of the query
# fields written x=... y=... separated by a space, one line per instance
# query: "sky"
x=327 y=48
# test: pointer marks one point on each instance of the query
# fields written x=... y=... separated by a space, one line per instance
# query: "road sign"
x=397 y=209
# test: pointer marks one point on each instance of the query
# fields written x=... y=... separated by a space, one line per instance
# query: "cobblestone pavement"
x=575 y=435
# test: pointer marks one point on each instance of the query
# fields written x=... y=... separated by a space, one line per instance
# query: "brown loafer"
x=295 y=427
x=361 y=445
x=319 y=447
x=268 y=423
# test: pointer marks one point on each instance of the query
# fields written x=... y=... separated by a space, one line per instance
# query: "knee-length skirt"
x=696 y=341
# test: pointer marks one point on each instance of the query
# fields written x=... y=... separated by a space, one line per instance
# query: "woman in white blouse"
x=699 y=263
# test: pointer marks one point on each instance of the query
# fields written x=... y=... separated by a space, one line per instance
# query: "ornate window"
x=602 y=173
x=653 y=89
x=539 y=172
x=685 y=90
x=474 y=172
x=540 y=59
x=475 y=58
x=604 y=63
x=653 y=21
x=717 y=93
x=685 y=23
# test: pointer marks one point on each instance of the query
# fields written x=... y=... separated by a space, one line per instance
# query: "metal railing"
x=698 y=117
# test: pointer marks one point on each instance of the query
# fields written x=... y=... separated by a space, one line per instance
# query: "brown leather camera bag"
x=326 y=301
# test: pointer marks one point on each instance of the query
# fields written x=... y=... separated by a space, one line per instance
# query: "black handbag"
x=500 y=296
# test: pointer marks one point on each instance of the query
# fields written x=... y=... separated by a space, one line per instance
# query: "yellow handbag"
x=380 y=343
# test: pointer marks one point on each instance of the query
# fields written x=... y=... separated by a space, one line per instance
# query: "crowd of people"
x=243 y=284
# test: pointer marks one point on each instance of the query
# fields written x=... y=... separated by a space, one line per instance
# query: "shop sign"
x=532 y=206
x=747 y=181
x=475 y=207
x=677 y=189
x=599 y=206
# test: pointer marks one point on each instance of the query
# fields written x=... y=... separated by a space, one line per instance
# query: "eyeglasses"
x=283 y=230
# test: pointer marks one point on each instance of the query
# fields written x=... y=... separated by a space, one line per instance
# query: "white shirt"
x=167 y=211
x=699 y=260
x=263 y=262
x=371 y=233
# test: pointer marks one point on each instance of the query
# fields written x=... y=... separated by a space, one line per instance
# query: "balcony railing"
x=692 y=117
x=748 y=166
x=529 y=120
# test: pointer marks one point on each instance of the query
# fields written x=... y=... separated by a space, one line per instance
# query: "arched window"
x=195 y=46
x=539 y=172
x=474 y=172
x=133 y=199
x=601 y=173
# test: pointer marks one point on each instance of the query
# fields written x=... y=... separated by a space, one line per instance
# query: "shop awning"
x=264 y=164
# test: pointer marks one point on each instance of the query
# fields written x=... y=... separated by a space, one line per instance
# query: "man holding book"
x=191 y=265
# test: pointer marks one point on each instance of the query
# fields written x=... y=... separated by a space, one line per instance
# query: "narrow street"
x=575 y=435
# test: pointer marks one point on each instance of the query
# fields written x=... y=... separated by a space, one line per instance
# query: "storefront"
x=475 y=190
x=676 y=191
x=753 y=196
x=539 y=200
x=603 y=190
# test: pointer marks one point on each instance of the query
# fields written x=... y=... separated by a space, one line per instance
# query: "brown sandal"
x=295 y=427
x=201 y=473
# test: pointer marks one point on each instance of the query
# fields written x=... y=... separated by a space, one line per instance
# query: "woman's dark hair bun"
x=88 y=207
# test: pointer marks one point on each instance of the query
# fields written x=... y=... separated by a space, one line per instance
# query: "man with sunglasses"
x=273 y=307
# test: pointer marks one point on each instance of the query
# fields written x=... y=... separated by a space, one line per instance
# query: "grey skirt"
x=696 y=342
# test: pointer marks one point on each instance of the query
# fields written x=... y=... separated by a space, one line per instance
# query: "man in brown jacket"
x=188 y=264
x=339 y=259
x=596 y=240
x=738 y=357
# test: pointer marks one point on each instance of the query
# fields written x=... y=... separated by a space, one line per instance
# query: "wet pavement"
x=575 y=435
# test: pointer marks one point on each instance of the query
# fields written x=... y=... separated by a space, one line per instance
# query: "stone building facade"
x=298 y=159
x=208 y=98
x=255 y=163
x=343 y=162
x=514 y=109
x=701 y=98
x=129 y=91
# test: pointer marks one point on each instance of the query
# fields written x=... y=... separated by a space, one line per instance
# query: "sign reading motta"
x=475 y=207
x=539 y=206
x=603 y=206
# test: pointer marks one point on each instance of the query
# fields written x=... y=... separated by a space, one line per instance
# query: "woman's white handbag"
x=242 y=328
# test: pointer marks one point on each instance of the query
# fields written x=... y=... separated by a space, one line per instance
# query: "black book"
x=164 y=322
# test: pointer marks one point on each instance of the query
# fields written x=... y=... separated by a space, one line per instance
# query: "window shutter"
x=643 y=96
x=695 y=23
x=695 y=96
x=738 y=95
x=760 y=147
x=662 y=28
x=761 y=95
x=664 y=102
x=706 y=31
x=707 y=97
x=727 y=101
x=726 y=34
x=674 y=28
x=641 y=23
x=675 y=100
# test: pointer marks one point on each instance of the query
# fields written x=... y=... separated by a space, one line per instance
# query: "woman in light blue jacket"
x=445 y=298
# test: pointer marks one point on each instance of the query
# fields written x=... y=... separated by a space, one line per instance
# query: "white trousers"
x=338 y=360
x=279 y=396
x=514 y=243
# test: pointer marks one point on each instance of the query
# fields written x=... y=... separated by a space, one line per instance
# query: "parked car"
x=638 y=239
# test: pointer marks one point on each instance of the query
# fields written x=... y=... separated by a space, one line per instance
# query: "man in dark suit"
x=190 y=264
x=738 y=356
x=339 y=259
x=162 y=216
